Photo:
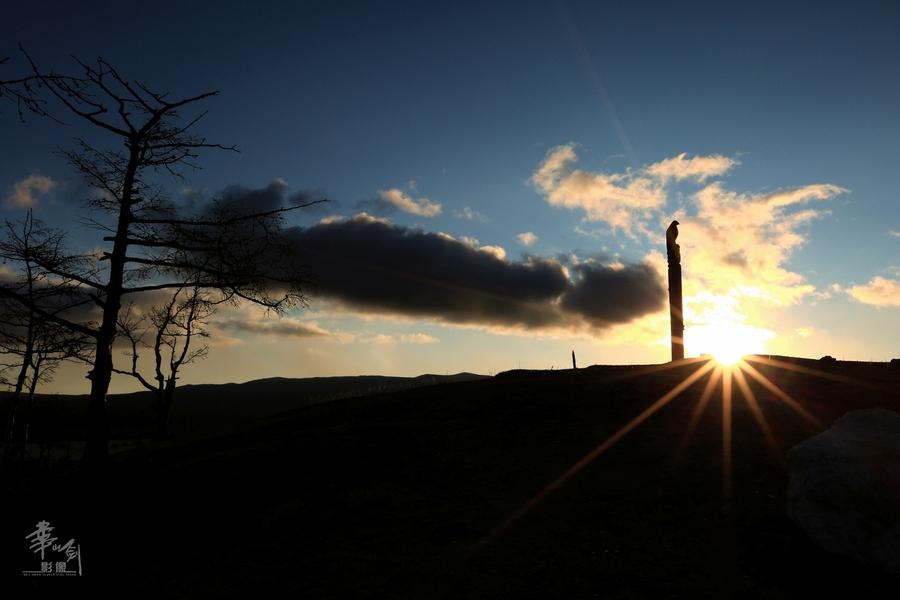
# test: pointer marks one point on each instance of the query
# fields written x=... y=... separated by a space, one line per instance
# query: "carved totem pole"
x=673 y=251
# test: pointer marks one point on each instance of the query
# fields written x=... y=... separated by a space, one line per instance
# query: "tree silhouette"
x=155 y=244
x=172 y=328
x=35 y=344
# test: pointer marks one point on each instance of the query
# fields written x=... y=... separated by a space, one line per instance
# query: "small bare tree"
x=154 y=245
x=172 y=328
x=34 y=344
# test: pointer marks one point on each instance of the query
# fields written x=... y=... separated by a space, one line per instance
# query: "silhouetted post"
x=574 y=366
x=676 y=315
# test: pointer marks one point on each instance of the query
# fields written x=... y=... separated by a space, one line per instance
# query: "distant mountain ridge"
x=207 y=409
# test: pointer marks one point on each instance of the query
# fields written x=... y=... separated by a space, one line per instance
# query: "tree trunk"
x=13 y=432
x=163 y=408
x=96 y=450
x=29 y=400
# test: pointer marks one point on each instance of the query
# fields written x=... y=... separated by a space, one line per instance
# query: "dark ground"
x=394 y=495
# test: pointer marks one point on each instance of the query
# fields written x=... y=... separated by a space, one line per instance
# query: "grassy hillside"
x=395 y=496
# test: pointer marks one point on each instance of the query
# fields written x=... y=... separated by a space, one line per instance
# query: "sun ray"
x=726 y=434
x=645 y=370
x=782 y=395
x=698 y=411
x=774 y=362
x=750 y=398
x=603 y=447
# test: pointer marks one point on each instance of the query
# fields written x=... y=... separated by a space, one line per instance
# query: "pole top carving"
x=673 y=250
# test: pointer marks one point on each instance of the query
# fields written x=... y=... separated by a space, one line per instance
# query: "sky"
x=500 y=177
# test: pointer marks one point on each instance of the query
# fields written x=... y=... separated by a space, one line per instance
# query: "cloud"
x=256 y=321
x=623 y=200
x=468 y=213
x=242 y=200
x=527 y=238
x=27 y=192
x=497 y=251
x=405 y=338
x=7 y=274
x=396 y=198
x=740 y=244
x=894 y=233
x=736 y=247
x=880 y=291
x=618 y=199
x=699 y=168
x=376 y=267
x=625 y=292
x=323 y=204
x=284 y=327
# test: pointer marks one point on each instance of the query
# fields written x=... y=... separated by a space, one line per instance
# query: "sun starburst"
x=726 y=369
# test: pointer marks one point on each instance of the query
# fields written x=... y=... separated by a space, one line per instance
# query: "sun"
x=727 y=356
x=717 y=327
x=727 y=342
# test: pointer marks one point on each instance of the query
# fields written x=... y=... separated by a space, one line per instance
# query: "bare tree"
x=154 y=245
x=172 y=329
x=36 y=344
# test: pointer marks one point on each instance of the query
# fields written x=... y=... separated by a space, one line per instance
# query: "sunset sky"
x=500 y=177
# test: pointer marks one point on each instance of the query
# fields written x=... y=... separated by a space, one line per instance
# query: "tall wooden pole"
x=676 y=315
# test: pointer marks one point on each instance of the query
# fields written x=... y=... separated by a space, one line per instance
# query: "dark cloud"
x=373 y=265
x=240 y=200
x=237 y=199
x=607 y=295
x=309 y=196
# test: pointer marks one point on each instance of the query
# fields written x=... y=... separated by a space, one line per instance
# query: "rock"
x=844 y=488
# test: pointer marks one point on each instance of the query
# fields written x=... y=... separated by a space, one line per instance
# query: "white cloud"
x=740 y=244
x=894 y=233
x=735 y=247
x=422 y=207
x=699 y=168
x=880 y=291
x=27 y=192
x=624 y=200
x=497 y=251
x=527 y=238
x=619 y=198
x=470 y=214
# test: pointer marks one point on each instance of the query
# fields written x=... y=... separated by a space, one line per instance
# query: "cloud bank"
x=374 y=266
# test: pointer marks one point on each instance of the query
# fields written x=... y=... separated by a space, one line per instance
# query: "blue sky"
x=461 y=103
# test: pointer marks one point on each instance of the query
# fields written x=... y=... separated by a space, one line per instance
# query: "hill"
x=396 y=495
x=210 y=409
